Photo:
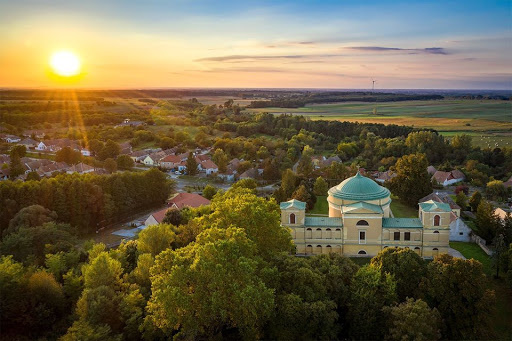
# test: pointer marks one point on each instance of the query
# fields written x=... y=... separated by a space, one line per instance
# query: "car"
x=177 y=173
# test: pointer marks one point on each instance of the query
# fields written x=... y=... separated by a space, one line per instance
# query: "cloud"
x=427 y=50
x=232 y=58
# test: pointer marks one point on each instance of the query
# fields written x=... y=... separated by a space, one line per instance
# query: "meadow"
x=488 y=121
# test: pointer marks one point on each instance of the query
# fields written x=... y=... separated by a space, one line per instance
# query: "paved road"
x=455 y=253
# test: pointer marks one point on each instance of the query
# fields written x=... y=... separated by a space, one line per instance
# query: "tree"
x=302 y=194
x=110 y=165
x=486 y=221
x=459 y=290
x=103 y=271
x=209 y=191
x=156 y=238
x=167 y=143
x=246 y=183
x=461 y=200
x=474 y=201
x=210 y=286
x=173 y=216
x=18 y=151
x=30 y=216
x=288 y=183
x=495 y=190
x=33 y=176
x=260 y=218
x=110 y=150
x=221 y=159
x=370 y=292
x=125 y=162
x=320 y=187
x=95 y=146
x=407 y=267
x=305 y=166
x=191 y=164
x=413 y=320
x=68 y=155
x=412 y=181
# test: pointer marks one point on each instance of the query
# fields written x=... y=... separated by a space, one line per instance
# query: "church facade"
x=360 y=223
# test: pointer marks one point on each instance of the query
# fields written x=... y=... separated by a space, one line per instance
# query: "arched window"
x=436 y=236
x=329 y=249
x=318 y=250
x=417 y=250
x=318 y=233
x=437 y=220
x=338 y=234
x=309 y=233
x=292 y=218
x=309 y=249
x=436 y=231
x=361 y=252
x=435 y=251
x=362 y=223
x=328 y=233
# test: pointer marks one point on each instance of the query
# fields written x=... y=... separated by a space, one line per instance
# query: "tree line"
x=88 y=200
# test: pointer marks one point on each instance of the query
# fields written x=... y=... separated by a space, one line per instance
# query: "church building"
x=360 y=223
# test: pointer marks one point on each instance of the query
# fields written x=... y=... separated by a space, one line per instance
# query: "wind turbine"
x=373 y=84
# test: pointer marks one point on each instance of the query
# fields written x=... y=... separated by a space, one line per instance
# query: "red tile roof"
x=209 y=164
x=159 y=215
x=188 y=200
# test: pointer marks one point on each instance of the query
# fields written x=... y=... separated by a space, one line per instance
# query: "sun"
x=65 y=63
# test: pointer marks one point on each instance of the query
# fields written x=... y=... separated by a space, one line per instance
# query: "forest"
x=225 y=272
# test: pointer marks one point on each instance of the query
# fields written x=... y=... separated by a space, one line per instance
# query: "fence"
x=482 y=243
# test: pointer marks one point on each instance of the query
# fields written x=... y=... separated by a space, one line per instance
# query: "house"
x=129 y=123
x=448 y=178
x=29 y=143
x=156 y=217
x=81 y=168
x=431 y=170
x=317 y=161
x=209 y=167
x=4 y=174
x=360 y=223
x=251 y=173
x=139 y=155
x=11 y=139
x=229 y=175
x=32 y=165
x=459 y=231
x=85 y=152
x=327 y=162
x=385 y=176
x=170 y=162
x=153 y=159
x=126 y=148
x=182 y=200
x=4 y=158
x=50 y=169
x=57 y=144
x=34 y=133
x=502 y=213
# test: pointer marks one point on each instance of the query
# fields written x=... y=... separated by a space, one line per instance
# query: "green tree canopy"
x=321 y=186
x=412 y=181
x=156 y=238
x=209 y=286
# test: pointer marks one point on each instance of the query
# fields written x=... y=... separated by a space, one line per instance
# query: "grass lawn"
x=321 y=206
x=401 y=210
x=472 y=250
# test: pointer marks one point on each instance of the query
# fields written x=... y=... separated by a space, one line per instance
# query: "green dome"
x=360 y=188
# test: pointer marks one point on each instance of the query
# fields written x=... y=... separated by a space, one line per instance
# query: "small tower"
x=435 y=218
x=293 y=213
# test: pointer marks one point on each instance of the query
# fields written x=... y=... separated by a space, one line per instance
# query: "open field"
x=321 y=205
x=488 y=121
x=472 y=250
x=401 y=210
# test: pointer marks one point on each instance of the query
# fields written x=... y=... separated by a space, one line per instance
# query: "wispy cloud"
x=427 y=50
x=232 y=58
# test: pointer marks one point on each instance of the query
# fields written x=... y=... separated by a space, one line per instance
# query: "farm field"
x=489 y=122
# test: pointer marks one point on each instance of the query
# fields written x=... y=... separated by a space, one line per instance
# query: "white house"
x=85 y=152
x=448 y=178
x=12 y=139
x=209 y=167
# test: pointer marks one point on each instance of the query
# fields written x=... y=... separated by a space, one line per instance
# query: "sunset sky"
x=283 y=44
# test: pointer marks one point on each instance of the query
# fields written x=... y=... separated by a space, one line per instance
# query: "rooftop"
x=359 y=187
x=431 y=206
x=323 y=221
x=401 y=223
x=293 y=203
